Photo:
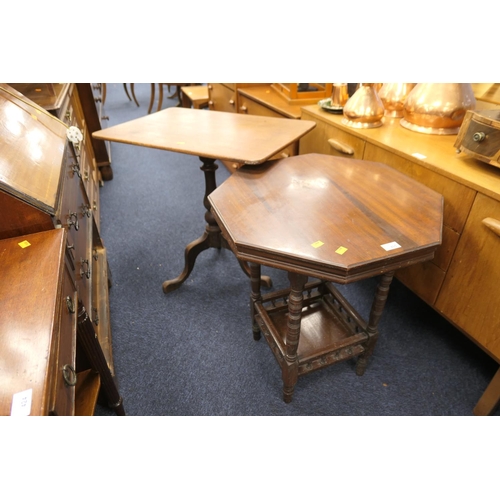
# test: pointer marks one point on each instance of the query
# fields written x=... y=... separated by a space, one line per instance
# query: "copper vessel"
x=340 y=94
x=364 y=109
x=393 y=97
x=437 y=108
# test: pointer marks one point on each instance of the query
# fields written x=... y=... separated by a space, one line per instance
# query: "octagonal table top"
x=328 y=217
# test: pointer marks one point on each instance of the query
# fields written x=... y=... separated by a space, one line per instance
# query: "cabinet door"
x=469 y=296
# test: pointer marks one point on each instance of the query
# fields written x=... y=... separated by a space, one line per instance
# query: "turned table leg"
x=255 y=296
x=290 y=368
x=375 y=314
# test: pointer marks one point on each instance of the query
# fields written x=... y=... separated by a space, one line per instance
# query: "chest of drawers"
x=49 y=183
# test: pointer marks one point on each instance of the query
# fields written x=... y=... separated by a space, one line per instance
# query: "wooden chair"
x=177 y=94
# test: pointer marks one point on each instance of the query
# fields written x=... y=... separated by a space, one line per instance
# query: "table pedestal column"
x=211 y=238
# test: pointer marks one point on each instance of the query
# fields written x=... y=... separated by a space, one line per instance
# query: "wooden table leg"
x=211 y=238
x=255 y=296
x=375 y=314
x=152 y=98
x=290 y=367
x=490 y=398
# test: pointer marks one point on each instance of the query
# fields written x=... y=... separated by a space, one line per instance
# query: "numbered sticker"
x=21 y=403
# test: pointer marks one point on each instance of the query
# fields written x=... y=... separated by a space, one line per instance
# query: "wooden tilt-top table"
x=210 y=135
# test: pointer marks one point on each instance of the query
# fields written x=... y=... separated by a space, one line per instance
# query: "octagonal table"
x=333 y=219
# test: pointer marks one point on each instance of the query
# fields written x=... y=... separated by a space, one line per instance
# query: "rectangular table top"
x=248 y=139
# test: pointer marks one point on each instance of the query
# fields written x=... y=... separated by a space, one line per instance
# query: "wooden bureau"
x=38 y=324
x=461 y=282
x=48 y=182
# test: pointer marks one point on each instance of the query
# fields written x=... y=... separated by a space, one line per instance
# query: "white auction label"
x=21 y=403
x=391 y=246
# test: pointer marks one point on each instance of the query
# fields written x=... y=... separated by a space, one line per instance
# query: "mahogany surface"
x=329 y=218
x=27 y=127
x=275 y=214
x=211 y=135
x=32 y=271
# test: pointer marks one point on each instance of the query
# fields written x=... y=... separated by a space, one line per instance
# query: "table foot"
x=190 y=254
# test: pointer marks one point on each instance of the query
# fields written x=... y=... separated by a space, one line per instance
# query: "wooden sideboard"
x=461 y=282
x=48 y=182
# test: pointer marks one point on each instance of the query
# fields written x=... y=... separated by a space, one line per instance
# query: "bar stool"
x=335 y=220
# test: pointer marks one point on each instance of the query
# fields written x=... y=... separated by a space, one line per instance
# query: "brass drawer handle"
x=492 y=224
x=86 y=273
x=69 y=375
x=244 y=109
x=73 y=220
x=70 y=304
x=479 y=137
x=342 y=148
x=76 y=169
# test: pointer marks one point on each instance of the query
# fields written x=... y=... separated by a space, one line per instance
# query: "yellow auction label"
x=341 y=250
x=24 y=244
x=317 y=244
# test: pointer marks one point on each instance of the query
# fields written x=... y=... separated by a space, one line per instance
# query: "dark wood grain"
x=274 y=214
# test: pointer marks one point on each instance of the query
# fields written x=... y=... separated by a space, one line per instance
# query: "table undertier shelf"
x=330 y=331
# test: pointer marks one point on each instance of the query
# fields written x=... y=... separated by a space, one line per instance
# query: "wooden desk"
x=210 y=135
x=336 y=220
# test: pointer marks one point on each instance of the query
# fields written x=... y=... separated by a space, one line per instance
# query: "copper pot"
x=393 y=97
x=364 y=109
x=437 y=108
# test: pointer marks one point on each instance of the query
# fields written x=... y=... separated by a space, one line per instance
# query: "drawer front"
x=221 y=98
x=83 y=248
x=469 y=296
x=95 y=201
x=482 y=140
x=76 y=216
x=249 y=107
x=63 y=395
x=328 y=139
